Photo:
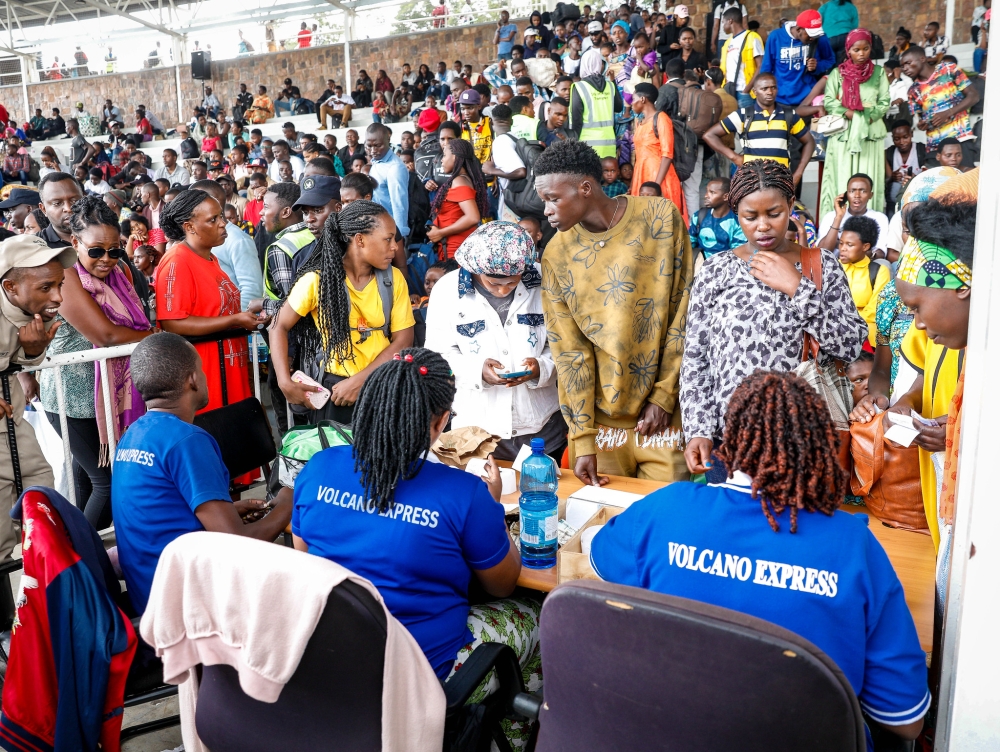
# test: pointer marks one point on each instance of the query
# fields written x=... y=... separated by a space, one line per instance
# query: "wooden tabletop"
x=911 y=554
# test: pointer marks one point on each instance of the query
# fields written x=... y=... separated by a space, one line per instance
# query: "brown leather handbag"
x=887 y=477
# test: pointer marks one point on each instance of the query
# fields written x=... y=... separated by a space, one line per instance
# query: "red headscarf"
x=852 y=75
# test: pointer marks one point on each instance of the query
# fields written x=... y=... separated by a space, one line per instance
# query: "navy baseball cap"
x=318 y=190
x=20 y=196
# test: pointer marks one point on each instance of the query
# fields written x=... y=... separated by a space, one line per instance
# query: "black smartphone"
x=843 y=200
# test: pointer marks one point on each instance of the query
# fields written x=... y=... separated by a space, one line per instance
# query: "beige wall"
x=472 y=44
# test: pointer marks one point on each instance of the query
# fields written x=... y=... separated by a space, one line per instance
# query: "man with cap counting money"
x=31 y=276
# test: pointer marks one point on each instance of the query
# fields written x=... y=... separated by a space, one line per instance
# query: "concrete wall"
x=472 y=44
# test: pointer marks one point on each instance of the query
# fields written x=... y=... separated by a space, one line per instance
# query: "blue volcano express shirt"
x=419 y=554
x=830 y=582
x=785 y=57
x=164 y=469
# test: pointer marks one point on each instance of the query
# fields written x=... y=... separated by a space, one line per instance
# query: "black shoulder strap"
x=739 y=58
x=873 y=270
x=384 y=279
x=702 y=213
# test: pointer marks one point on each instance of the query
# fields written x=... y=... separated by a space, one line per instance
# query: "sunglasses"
x=114 y=253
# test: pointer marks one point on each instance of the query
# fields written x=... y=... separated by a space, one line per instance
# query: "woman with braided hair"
x=770 y=542
x=462 y=202
x=388 y=510
x=357 y=309
x=751 y=307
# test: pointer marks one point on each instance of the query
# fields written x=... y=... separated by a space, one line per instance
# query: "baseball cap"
x=318 y=190
x=79 y=104
x=429 y=120
x=259 y=162
x=811 y=21
x=594 y=26
x=681 y=11
x=470 y=96
x=26 y=251
x=531 y=31
x=20 y=196
x=215 y=164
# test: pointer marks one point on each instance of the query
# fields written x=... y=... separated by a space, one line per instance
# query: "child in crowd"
x=233 y=215
x=356 y=187
x=649 y=188
x=286 y=172
x=434 y=273
x=613 y=184
x=858 y=373
x=212 y=139
x=534 y=228
x=626 y=173
x=714 y=227
x=406 y=157
x=866 y=278
x=255 y=198
x=358 y=164
x=97 y=185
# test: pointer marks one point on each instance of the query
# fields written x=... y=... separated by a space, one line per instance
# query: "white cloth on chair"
x=225 y=599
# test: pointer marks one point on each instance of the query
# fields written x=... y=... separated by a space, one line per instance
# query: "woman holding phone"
x=486 y=320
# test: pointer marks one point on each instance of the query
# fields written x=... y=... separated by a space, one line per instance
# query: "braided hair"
x=177 y=212
x=778 y=431
x=332 y=332
x=760 y=175
x=91 y=211
x=392 y=420
x=465 y=158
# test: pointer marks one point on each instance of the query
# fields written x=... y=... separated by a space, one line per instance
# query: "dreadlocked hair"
x=778 y=431
x=465 y=158
x=332 y=331
x=392 y=420
x=177 y=212
x=760 y=175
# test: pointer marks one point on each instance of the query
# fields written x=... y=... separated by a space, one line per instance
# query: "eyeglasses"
x=114 y=253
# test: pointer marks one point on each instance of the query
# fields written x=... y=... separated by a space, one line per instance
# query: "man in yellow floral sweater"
x=616 y=279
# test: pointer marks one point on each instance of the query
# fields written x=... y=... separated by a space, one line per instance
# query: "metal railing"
x=101 y=356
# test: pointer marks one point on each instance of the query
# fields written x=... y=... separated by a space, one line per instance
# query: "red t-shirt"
x=253 y=211
x=144 y=127
x=305 y=38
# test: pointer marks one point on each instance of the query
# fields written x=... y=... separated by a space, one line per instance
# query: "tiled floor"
x=159 y=741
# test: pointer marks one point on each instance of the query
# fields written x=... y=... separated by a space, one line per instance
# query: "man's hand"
x=29 y=385
x=865 y=410
x=811 y=64
x=738 y=161
x=652 y=420
x=346 y=392
x=33 y=338
x=251 y=510
x=698 y=455
x=490 y=368
x=942 y=118
x=6 y=411
x=586 y=470
x=256 y=305
x=532 y=365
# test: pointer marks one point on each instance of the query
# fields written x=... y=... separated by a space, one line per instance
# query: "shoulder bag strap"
x=739 y=58
x=812 y=269
x=384 y=279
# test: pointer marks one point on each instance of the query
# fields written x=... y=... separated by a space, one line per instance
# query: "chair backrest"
x=333 y=700
x=243 y=434
x=627 y=668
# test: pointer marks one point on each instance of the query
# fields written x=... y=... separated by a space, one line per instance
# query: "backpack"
x=685 y=146
x=189 y=149
x=426 y=158
x=565 y=12
x=747 y=113
x=878 y=48
x=700 y=109
x=420 y=208
x=418 y=261
x=520 y=195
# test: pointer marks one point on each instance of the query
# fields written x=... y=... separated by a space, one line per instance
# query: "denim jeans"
x=281 y=105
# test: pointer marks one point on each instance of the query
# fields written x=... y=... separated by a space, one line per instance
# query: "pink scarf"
x=851 y=75
x=118 y=301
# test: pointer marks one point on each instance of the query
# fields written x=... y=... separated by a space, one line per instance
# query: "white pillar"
x=970 y=656
x=349 y=17
x=180 y=52
x=24 y=87
x=949 y=20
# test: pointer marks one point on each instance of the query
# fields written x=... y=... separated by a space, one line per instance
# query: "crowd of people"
x=598 y=240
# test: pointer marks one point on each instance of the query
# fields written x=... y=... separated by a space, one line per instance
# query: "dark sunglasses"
x=114 y=253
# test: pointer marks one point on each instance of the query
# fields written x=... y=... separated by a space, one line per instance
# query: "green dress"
x=861 y=147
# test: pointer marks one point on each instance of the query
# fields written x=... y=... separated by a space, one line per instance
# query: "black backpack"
x=189 y=149
x=520 y=195
x=565 y=12
x=685 y=145
x=878 y=48
x=420 y=209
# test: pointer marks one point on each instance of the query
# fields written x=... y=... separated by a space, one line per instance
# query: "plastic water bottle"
x=539 y=509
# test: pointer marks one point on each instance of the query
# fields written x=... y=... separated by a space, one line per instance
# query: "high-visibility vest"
x=598 y=118
x=291 y=243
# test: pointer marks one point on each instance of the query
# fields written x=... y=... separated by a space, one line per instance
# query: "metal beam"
x=114 y=11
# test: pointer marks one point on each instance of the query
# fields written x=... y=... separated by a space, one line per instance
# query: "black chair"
x=334 y=698
x=630 y=669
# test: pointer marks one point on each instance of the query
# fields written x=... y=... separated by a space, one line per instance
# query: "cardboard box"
x=571 y=562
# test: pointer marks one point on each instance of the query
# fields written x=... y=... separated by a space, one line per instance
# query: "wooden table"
x=911 y=554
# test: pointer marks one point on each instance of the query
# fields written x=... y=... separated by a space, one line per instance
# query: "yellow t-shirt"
x=940 y=368
x=366 y=310
x=864 y=295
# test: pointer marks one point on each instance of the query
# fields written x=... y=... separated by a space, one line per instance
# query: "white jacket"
x=465 y=329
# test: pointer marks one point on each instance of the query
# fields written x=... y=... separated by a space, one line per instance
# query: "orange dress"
x=649 y=150
x=450 y=212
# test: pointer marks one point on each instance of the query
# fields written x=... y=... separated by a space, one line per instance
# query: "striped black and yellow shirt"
x=768 y=133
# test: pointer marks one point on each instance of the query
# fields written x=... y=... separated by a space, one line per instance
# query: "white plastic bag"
x=51 y=444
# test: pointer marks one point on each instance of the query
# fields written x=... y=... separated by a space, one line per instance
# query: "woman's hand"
x=490 y=368
x=698 y=455
x=249 y=320
x=346 y=392
x=434 y=234
x=931 y=438
x=775 y=271
x=491 y=477
x=869 y=406
x=532 y=365
x=849 y=115
x=297 y=393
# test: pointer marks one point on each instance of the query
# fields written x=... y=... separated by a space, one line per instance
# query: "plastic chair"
x=627 y=668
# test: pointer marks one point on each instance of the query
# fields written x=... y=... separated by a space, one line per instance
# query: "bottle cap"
x=538 y=445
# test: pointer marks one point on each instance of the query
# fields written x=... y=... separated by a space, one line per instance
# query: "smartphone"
x=514 y=374
x=316 y=399
x=843 y=200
